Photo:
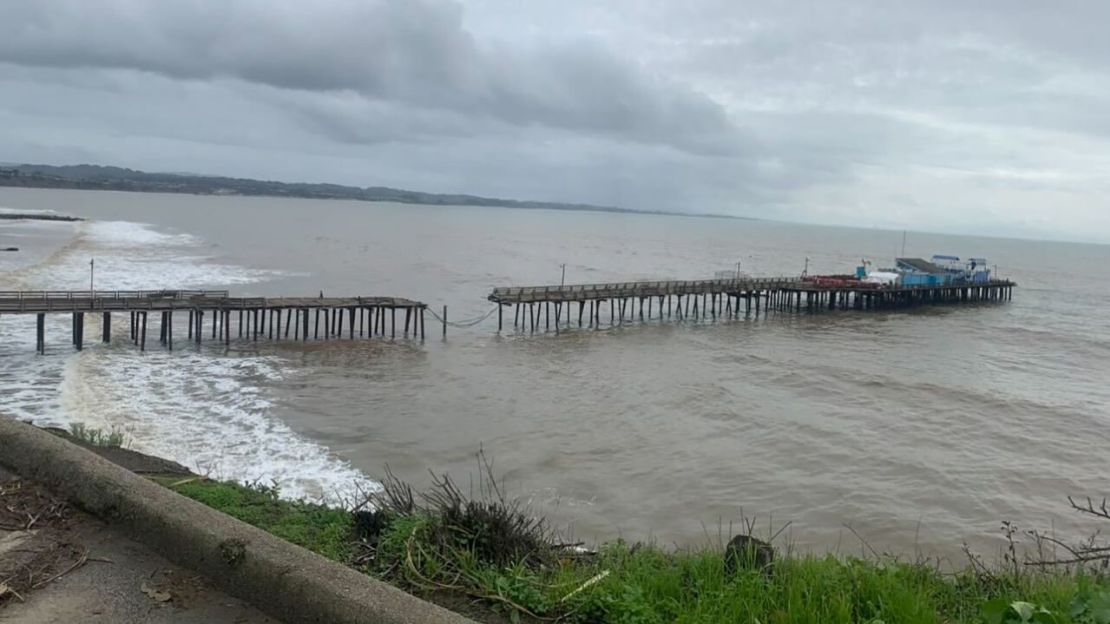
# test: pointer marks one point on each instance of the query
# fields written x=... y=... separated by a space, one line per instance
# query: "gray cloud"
x=950 y=114
x=414 y=52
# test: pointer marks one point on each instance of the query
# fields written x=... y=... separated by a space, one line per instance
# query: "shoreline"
x=289 y=582
x=486 y=557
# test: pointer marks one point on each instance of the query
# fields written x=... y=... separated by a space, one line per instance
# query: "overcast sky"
x=957 y=116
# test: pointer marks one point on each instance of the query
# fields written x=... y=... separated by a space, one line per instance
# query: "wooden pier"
x=248 y=318
x=720 y=298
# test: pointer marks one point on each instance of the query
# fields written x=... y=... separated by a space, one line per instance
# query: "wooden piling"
x=142 y=331
x=40 y=333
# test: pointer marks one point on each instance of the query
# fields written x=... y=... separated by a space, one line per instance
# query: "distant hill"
x=96 y=177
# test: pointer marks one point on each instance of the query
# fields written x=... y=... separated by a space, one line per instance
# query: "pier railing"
x=107 y=301
x=40 y=295
x=586 y=292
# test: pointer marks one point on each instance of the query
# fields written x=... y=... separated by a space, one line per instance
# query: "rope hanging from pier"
x=464 y=324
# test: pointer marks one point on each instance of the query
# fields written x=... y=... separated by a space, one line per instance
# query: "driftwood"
x=1088 y=553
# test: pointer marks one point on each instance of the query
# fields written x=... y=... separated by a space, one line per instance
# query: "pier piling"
x=258 y=317
x=142 y=338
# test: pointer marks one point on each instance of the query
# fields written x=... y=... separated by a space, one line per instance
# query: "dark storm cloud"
x=414 y=52
x=937 y=114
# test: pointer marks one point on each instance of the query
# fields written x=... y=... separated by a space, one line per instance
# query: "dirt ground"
x=58 y=564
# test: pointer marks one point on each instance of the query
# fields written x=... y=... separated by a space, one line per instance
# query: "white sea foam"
x=210 y=411
x=26 y=210
x=26 y=229
x=134 y=256
x=129 y=234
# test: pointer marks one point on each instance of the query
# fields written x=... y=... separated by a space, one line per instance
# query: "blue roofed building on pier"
x=939 y=271
x=970 y=271
x=919 y=272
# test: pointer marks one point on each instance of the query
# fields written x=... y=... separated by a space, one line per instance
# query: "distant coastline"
x=105 y=178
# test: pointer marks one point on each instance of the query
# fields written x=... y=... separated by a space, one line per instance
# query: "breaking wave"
x=209 y=411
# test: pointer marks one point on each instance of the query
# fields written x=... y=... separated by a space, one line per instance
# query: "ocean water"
x=919 y=430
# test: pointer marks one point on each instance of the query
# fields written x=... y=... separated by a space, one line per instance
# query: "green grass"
x=647 y=585
x=452 y=546
x=113 y=438
x=323 y=530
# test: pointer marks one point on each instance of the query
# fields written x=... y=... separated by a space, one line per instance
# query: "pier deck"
x=699 y=299
x=246 y=317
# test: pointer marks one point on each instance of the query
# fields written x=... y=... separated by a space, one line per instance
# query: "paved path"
x=122 y=580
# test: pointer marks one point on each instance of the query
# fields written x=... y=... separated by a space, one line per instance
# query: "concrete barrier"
x=282 y=579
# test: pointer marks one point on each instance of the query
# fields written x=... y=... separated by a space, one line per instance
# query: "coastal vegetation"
x=112 y=438
x=324 y=530
x=488 y=556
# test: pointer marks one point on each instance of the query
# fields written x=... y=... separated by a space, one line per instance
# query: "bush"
x=113 y=438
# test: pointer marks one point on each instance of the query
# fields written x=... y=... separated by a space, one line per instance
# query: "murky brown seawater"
x=919 y=429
